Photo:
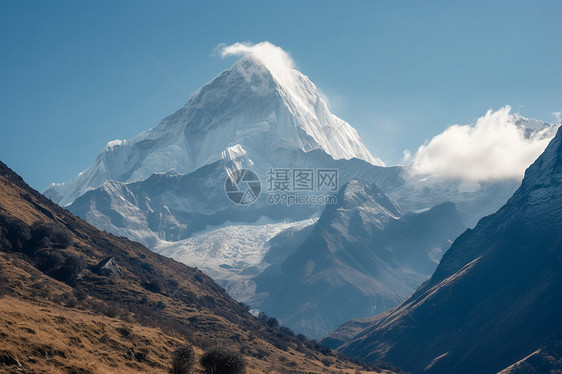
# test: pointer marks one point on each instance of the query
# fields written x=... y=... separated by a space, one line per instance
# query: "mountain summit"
x=249 y=110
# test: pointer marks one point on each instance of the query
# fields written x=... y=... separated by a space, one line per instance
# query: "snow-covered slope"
x=248 y=109
x=171 y=206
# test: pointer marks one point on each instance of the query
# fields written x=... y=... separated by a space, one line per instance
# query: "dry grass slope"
x=93 y=322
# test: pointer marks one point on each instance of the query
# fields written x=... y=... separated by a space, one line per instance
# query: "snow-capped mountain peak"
x=253 y=107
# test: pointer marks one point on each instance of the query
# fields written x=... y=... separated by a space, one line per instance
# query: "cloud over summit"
x=274 y=57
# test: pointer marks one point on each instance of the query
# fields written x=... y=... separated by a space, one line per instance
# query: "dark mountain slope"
x=496 y=296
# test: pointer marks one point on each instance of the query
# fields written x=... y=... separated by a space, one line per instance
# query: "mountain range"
x=494 y=302
x=74 y=299
x=362 y=256
x=165 y=188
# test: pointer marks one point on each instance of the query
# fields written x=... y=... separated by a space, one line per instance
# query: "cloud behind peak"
x=497 y=147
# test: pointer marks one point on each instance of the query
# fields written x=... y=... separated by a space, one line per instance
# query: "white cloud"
x=274 y=57
x=407 y=156
x=558 y=116
x=277 y=61
x=496 y=147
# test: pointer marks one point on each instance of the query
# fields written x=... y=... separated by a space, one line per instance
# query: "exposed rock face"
x=109 y=268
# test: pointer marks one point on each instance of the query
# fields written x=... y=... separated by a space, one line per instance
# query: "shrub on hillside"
x=14 y=233
x=183 y=360
x=286 y=331
x=40 y=236
x=71 y=270
x=272 y=322
x=60 y=237
x=46 y=235
x=223 y=361
x=49 y=261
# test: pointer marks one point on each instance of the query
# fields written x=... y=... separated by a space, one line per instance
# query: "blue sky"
x=76 y=74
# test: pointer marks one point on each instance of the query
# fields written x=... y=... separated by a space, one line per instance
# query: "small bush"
x=71 y=269
x=40 y=235
x=223 y=361
x=14 y=233
x=183 y=360
x=281 y=343
x=286 y=331
x=152 y=286
x=60 y=237
x=49 y=261
x=45 y=234
x=272 y=322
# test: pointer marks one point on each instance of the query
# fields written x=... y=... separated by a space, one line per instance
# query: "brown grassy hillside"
x=59 y=312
